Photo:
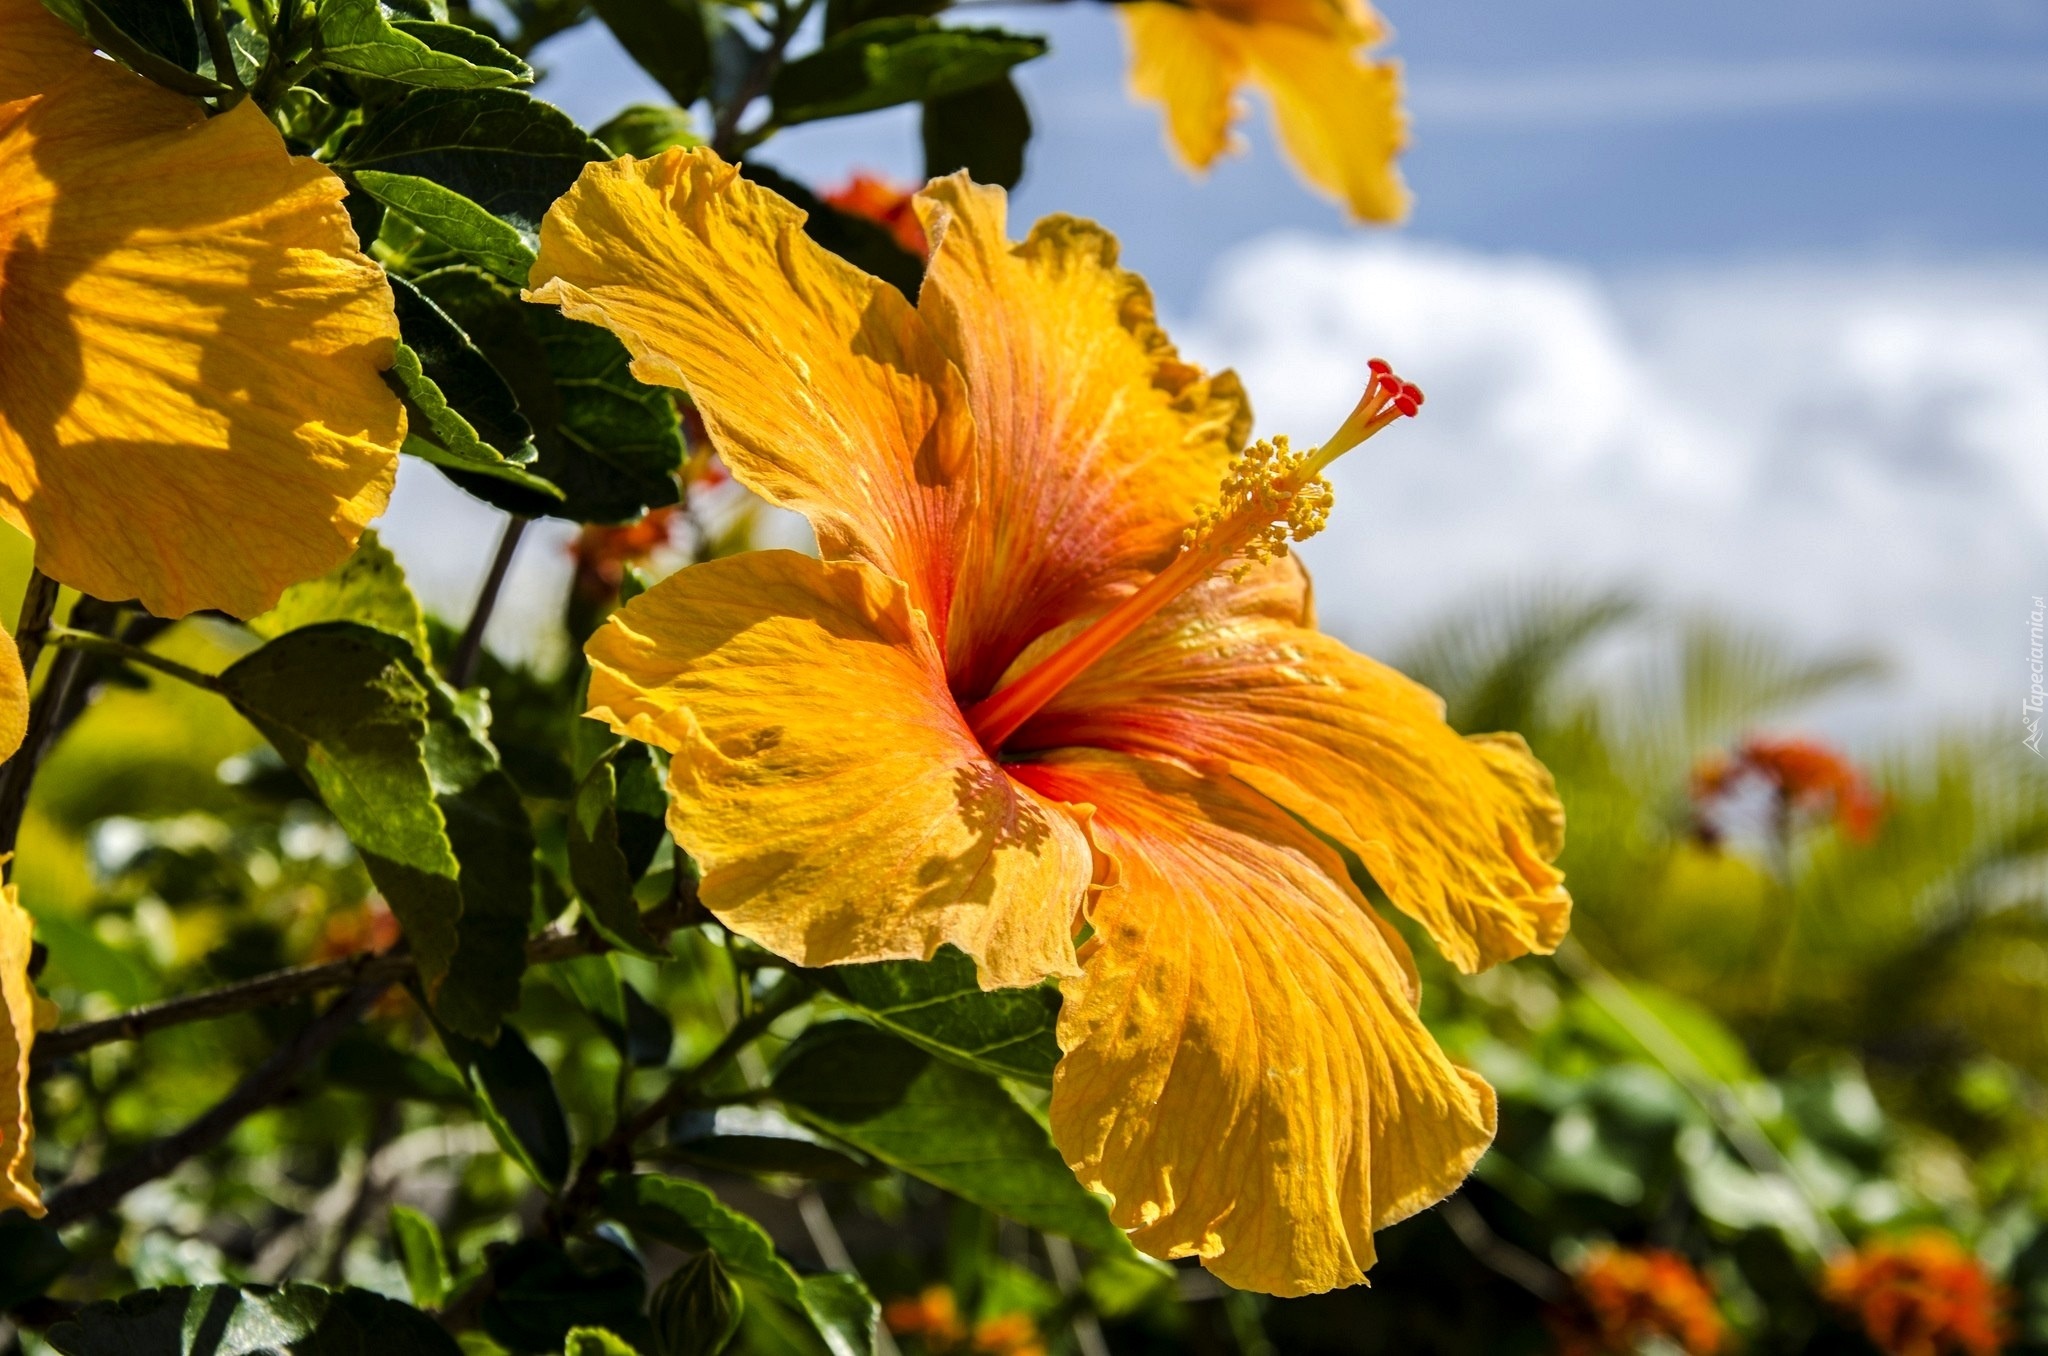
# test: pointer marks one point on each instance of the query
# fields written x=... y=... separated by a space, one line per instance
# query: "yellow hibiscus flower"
x=920 y=738
x=1338 y=114
x=190 y=411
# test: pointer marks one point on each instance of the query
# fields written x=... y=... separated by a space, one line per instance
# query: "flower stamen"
x=1271 y=497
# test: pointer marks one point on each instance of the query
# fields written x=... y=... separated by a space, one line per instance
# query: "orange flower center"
x=1271 y=497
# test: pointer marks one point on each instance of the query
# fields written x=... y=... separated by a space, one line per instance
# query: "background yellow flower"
x=1337 y=112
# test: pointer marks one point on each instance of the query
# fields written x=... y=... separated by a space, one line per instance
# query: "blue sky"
x=1609 y=131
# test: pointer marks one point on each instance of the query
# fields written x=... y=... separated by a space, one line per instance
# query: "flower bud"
x=696 y=1311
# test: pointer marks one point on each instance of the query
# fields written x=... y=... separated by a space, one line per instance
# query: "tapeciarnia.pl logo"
x=2037 y=691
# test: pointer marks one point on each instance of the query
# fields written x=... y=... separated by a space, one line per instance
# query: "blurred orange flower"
x=1924 y=1295
x=1054 y=667
x=1338 y=113
x=1626 y=1297
x=602 y=552
x=933 y=1318
x=1805 y=777
x=888 y=205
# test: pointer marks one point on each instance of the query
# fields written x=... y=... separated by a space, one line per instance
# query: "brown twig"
x=1501 y=1257
x=38 y=602
x=270 y=1083
x=286 y=986
x=46 y=717
x=470 y=649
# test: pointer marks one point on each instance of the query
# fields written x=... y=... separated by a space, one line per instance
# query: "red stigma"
x=1407 y=404
x=1380 y=367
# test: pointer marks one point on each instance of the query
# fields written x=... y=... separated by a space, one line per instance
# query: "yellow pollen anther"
x=1271 y=496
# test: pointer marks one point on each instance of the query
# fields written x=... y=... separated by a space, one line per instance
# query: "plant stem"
x=287 y=986
x=817 y=1218
x=38 y=602
x=46 y=713
x=616 y=1149
x=469 y=650
x=92 y=643
x=1499 y=1256
x=222 y=51
x=271 y=1081
x=726 y=138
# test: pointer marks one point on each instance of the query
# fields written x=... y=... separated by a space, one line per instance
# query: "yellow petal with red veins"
x=19 y=1009
x=1458 y=831
x=1189 y=63
x=1338 y=114
x=1245 y=1072
x=824 y=779
x=13 y=698
x=818 y=383
x=1098 y=443
x=190 y=408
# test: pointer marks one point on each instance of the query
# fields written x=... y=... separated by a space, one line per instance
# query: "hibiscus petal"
x=823 y=777
x=1187 y=62
x=1098 y=443
x=13 y=698
x=1245 y=1073
x=190 y=340
x=1339 y=115
x=1458 y=831
x=18 y=1009
x=818 y=383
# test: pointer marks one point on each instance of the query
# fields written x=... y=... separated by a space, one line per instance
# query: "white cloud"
x=1854 y=454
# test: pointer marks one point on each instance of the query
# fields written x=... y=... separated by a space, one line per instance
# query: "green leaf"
x=345 y=712
x=761 y=1141
x=462 y=414
x=953 y=1127
x=541 y=1292
x=641 y=1031
x=982 y=130
x=601 y=832
x=883 y=62
x=646 y=130
x=406 y=771
x=841 y=15
x=358 y=37
x=610 y=442
x=475 y=402
x=31 y=1257
x=424 y=1256
x=939 y=1005
x=688 y=1216
x=505 y=151
x=454 y=221
x=596 y=1342
x=255 y=1320
x=515 y=1096
x=667 y=38
x=366 y=1064
x=369 y=587
x=862 y=243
